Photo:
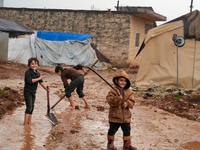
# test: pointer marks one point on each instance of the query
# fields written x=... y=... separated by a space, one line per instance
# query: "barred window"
x=137 y=39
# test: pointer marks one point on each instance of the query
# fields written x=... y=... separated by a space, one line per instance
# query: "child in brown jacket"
x=119 y=113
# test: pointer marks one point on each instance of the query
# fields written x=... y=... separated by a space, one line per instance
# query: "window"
x=147 y=28
x=137 y=39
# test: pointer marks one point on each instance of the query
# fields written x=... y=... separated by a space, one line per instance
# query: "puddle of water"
x=31 y=137
x=195 y=145
x=28 y=138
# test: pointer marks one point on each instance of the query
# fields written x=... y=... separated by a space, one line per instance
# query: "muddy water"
x=14 y=135
x=151 y=128
x=195 y=145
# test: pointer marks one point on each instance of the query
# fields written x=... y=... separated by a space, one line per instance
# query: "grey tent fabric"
x=14 y=28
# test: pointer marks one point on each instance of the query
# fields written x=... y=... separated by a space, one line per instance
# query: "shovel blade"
x=51 y=117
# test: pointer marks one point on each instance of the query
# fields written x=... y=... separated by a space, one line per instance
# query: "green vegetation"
x=1 y=91
x=110 y=69
x=179 y=96
x=157 y=95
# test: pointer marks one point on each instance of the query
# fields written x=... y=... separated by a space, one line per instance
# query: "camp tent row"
x=159 y=54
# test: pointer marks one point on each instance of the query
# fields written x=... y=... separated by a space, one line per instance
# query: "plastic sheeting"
x=21 y=49
x=52 y=52
x=60 y=36
x=65 y=52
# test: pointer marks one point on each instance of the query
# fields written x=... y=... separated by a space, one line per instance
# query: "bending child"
x=77 y=82
x=119 y=113
x=32 y=78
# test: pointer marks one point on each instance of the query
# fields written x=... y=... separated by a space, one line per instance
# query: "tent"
x=64 y=48
x=159 y=59
x=14 y=28
x=52 y=48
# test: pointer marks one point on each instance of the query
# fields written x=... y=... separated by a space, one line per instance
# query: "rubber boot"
x=110 y=145
x=127 y=143
x=26 y=119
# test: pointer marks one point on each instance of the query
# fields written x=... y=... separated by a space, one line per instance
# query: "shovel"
x=50 y=116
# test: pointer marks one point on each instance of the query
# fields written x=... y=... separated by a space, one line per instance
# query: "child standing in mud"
x=119 y=113
x=77 y=82
x=32 y=78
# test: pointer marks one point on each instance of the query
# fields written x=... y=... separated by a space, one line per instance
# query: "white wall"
x=1 y=3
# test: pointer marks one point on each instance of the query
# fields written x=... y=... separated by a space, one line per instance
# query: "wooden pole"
x=191 y=6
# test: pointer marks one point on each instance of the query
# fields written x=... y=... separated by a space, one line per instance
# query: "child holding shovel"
x=32 y=78
x=119 y=113
x=77 y=82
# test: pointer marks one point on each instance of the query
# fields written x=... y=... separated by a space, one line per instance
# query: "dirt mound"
x=12 y=70
x=17 y=70
x=9 y=99
x=179 y=107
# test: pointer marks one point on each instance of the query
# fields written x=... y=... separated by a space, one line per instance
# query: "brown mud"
x=158 y=123
x=9 y=99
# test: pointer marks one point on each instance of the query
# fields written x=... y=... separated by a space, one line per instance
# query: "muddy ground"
x=157 y=122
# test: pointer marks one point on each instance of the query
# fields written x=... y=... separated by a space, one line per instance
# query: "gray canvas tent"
x=14 y=28
x=159 y=59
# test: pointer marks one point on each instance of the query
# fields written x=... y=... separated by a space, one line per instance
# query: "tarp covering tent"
x=64 y=48
x=65 y=52
x=60 y=36
x=159 y=60
x=70 y=52
x=14 y=28
x=21 y=49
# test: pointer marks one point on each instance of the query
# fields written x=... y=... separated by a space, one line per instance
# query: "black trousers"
x=75 y=84
x=30 y=101
x=126 y=128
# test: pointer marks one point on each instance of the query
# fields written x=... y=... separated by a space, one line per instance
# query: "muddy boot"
x=127 y=143
x=110 y=145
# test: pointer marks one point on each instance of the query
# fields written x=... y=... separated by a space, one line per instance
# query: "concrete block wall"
x=110 y=29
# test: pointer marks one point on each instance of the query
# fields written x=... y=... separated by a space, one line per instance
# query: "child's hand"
x=120 y=97
x=48 y=89
x=42 y=77
x=85 y=72
x=124 y=105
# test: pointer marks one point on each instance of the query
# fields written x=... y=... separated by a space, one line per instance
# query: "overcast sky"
x=169 y=8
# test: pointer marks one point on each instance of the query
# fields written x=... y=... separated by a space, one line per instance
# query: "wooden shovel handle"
x=104 y=80
x=91 y=66
x=48 y=105
x=57 y=101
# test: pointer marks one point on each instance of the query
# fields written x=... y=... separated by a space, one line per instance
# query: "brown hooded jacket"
x=117 y=113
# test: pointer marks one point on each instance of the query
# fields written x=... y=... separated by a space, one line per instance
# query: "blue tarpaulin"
x=61 y=36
